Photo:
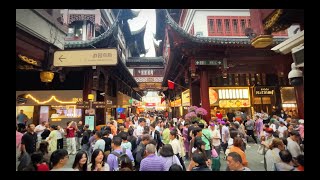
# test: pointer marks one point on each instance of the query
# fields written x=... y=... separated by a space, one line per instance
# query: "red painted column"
x=300 y=100
x=204 y=89
x=256 y=21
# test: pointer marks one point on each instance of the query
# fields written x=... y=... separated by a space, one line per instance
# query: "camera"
x=103 y=94
x=295 y=76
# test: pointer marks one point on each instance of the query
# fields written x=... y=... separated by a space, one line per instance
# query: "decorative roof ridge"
x=212 y=40
x=73 y=44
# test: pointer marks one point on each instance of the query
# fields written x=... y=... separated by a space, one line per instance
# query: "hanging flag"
x=170 y=84
x=163 y=97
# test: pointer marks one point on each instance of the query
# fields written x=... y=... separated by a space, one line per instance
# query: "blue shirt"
x=21 y=118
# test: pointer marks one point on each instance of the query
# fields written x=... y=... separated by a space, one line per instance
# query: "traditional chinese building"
x=268 y=21
x=110 y=29
x=210 y=53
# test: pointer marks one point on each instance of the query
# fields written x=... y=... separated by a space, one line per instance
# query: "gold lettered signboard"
x=264 y=91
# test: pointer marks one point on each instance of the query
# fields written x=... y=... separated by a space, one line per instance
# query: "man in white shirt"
x=281 y=129
x=140 y=127
x=292 y=146
x=39 y=130
x=215 y=137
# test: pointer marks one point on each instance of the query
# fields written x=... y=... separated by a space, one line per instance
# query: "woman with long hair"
x=43 y=148
x=272 y=155
x=167 y=155
x=80 y=161
x=97 y=161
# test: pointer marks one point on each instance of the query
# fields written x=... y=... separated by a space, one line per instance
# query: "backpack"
x=118 y=155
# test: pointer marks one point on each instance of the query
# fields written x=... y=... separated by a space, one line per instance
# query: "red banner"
x=170 y=84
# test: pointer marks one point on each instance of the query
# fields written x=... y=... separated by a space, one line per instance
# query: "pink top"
x=18 y=138
x=301 y=131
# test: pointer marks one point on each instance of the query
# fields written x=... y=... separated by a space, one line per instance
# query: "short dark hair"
x=236 y=157
x=117 y=141
x=201 y=125
x=153 y=141
x=196 y=130
x=145 y=137
x=142 y=120
x=300 y=159
x=166 y=150
x=99 y=134
x=124 y=136
x=285 y=156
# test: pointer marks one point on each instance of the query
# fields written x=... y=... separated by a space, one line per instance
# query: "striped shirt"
x=152 y=163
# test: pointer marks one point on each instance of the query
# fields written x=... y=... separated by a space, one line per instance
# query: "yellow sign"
x=176 y=103
x=96 y=57
x=186 y=98
x=229 y=97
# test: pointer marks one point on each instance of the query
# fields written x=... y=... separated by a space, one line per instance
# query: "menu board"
x=90 y=121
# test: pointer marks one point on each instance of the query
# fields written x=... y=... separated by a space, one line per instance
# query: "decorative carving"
x=82 y=17
x=262 y=41
x=273 y=19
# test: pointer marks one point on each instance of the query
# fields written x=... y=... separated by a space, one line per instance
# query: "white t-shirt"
x=41 y=128
x=281 y=129
x=225 y=132
x=293 y=147
x=175 y=146
x=216 y=138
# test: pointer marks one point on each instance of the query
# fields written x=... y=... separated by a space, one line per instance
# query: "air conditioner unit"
x=298 y=55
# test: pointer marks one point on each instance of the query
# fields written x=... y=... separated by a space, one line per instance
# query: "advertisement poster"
x=90 y=120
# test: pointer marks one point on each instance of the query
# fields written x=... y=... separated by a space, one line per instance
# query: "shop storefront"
x=288 y=101
x=123 y=104
x=224 y=98
x=57 y=107
x=264 y=98
x=176 y=107
x=185 y=101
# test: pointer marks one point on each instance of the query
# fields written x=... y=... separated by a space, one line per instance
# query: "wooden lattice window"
x=227 y=25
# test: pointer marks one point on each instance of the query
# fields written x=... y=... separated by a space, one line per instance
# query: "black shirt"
x=30 y=141
x=107 y=143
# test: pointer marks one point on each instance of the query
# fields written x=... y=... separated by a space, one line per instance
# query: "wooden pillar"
x=256 y=21
x=87 y=86
x=204 y=89
x=300 y=100
x=195 y=94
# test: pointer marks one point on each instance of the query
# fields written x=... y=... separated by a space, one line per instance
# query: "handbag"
x=213 y=151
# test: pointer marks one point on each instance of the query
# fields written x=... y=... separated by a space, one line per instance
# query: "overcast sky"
x=149 y=16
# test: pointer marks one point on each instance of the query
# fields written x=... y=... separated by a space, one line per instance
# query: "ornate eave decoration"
x=29 y=60
x=262 y=41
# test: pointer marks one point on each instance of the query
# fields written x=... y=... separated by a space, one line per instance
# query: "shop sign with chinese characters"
x=264 y=91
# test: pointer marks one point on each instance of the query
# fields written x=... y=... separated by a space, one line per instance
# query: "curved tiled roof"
x=82 y=44
x=243 y=41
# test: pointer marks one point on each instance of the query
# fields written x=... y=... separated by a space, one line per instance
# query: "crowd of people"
x=154 y=143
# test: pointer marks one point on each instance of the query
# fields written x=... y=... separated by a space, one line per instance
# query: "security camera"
x=295 y=76
x=103 y=94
